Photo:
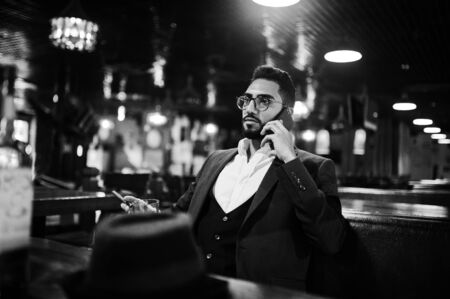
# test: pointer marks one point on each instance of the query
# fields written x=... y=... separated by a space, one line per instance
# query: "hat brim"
x=76 y=287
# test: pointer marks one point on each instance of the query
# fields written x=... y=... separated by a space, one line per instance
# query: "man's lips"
x=251 y=119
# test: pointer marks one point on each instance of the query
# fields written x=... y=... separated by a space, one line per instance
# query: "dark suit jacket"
x=295 y=209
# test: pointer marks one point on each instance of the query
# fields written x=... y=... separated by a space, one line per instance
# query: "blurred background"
x=108 y=88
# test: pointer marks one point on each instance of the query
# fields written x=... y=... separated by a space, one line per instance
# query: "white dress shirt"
x=241 y=177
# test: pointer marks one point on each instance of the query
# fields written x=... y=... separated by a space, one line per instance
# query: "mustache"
x=251 y=117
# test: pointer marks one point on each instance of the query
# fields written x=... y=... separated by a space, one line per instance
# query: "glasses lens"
x=263 y=102
x=242 y=102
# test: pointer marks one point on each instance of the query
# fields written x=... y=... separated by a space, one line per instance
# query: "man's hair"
x=282 y=78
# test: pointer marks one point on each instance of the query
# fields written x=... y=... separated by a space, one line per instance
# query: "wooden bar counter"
x=431 y=197
x=58 y=201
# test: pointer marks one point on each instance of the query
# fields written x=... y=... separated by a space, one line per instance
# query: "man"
x=260 y=209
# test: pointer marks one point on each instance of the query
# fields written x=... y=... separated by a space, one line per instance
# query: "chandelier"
x=72 y=30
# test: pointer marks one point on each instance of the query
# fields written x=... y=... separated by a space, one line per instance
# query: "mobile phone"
x=286 y=117
x=288 y=122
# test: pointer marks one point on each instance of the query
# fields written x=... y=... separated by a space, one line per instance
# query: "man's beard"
x=251 y=134
x=254 y=134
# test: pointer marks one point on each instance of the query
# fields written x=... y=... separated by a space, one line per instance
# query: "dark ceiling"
x=405 y=46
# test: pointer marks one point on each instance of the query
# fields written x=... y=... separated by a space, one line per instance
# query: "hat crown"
x=145 y=253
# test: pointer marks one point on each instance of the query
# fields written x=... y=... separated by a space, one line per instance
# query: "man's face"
x=254 y=120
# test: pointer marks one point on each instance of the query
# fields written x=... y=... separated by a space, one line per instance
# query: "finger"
x=272 y=153
x=266 y=139
x=275 y=126
x=125 y=207
x=279 y=124
x=265 y=130
x=131 y=199
x=151 y=209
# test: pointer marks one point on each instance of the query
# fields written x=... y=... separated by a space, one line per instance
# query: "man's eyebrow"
x=260 y=95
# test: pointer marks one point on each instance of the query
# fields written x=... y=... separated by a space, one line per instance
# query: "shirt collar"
x=244 y=145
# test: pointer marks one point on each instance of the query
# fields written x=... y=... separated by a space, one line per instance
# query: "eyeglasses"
x=262 y=102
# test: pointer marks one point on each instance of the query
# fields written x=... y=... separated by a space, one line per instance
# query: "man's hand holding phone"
x=281 y=139
x=131 y=204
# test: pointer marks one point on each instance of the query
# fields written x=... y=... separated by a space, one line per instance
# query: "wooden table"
x=51 y=260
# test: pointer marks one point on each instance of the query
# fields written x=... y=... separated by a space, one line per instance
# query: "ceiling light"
x=422 y=122
x=404 y=106
x=432 y=130
x=343 y=56
x=444 y=141
x=438 y=136
x=276 y=3
x=72 y=31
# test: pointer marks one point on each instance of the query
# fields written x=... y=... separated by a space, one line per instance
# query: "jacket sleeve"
x=184 y=201
x=316 y=202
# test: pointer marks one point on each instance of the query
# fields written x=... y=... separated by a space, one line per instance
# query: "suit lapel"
x=266 y=185
x=210 y=174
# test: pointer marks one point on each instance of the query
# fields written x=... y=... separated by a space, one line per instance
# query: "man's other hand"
x=133 y=204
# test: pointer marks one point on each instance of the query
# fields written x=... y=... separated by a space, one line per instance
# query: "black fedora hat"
x=144 y=256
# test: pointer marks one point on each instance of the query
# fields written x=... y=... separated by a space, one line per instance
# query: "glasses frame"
x=256 y=106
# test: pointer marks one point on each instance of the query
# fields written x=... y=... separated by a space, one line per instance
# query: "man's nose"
x=251 y=107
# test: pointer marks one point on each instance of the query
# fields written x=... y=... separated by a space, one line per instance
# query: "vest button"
x=217 y=237
x=225 y=218
x=209 y=256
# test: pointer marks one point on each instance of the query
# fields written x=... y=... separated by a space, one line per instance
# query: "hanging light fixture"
x=422 y=122
x=72 y=30
x=276 y=3
x=432 y=130
x=404 y=104
x=438 y=136
x=343 y=56
x=343 y=51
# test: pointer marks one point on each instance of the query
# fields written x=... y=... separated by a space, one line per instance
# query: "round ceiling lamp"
x=438 y=136
x=431 y=130
x=422 y=122
x=404 y=106
x=276 y=3
x=343 y=56
x=72 y=30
